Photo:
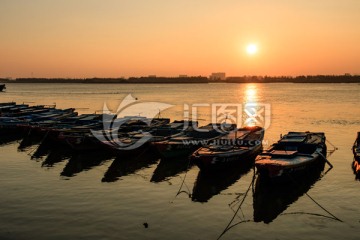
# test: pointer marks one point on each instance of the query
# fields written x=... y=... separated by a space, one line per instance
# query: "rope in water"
x=312 y=199
x=229 y=226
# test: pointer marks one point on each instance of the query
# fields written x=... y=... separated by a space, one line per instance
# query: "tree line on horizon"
x=346 y=78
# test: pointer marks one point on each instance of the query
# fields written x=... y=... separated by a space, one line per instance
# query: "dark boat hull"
x=280 y=173
x=356 y=152
x=214 y=162
x=241 y=145
x=356 y=167
x=183 y=145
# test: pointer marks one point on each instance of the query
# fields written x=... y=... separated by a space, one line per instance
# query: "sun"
x=251 y=49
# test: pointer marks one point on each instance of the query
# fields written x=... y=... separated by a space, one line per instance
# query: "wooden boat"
x=20 y=110
x=186 y=142
x=98 y=138
x=33 y=137
x=35 y=121
x=7 y=103
x=4 y=107
x=164 y=131
x=240 y=145
x=54 y=127
x=13 y=108
x=292 y=155
x=142 y=137
x=356 y=152
x=2 y=87
x=19 y=122
x=28 y=111
x=136 y=123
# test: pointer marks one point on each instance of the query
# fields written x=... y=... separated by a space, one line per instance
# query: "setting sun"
x=251 y=49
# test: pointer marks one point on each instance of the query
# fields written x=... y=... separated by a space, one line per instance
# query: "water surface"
x=58 y=195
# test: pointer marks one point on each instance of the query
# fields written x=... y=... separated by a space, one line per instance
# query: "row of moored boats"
x=211 y=147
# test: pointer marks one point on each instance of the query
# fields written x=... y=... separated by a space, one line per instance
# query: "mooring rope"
x=335 y=148
x=229 y=226
x=183 y=182
x=323 y=208
x=312 y=199
x=326 y=160
x=306 y=213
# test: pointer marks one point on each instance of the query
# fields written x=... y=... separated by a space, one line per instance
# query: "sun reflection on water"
x=250 y=98
x=251 y=93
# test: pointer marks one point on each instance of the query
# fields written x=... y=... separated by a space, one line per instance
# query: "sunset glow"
x=168 y=38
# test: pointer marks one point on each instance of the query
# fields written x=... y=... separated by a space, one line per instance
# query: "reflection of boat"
x=356 y=151
x=46 y=148
x=41 y=151
x=166 y=169
x=237 y=146
x=28 y=141
x=292 y=155
x=8 y=139
x=2 y=87
x=84 y=161
x=209 y=184
x=271 y=199
x=126 y=164
x=56 y=155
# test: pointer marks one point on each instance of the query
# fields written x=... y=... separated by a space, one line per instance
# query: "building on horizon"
x=218 y=76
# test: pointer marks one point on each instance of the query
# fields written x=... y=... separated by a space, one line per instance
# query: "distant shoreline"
x=194 y=80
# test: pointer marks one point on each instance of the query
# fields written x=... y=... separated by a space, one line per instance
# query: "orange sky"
x=113 y=38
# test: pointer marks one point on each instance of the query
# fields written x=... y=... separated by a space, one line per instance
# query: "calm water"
x=58 y=195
